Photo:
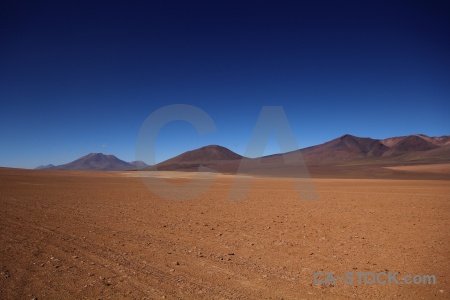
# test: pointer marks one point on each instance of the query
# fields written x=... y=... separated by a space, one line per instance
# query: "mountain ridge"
x=346 y=149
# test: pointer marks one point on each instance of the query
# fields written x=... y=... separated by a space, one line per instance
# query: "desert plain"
x=105 y=235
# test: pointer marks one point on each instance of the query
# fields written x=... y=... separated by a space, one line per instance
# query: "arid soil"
x=105 y=235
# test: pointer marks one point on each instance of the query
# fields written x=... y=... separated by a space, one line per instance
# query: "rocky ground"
x=100 y=235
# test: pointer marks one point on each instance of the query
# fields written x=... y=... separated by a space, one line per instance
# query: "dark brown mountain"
x=207 y=153
x=96 y=162
x=208 y=156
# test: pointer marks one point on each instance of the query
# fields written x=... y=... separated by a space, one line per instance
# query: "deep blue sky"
x=78 y=77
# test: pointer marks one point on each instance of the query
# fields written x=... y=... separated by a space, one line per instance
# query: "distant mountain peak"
x=347 y=136
x=99 y=154
x=44 y=167
x=352 y=137
x=97 y=161
x=139 y=164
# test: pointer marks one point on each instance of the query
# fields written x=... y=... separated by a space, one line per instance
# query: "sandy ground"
x=81 y=235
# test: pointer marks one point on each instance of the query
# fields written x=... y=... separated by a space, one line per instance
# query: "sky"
x=82 y=76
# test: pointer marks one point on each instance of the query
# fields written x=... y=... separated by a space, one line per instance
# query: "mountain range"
x=406 y=150
x=344 y=155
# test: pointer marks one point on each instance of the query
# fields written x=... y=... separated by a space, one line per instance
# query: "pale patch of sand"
x=436 y=168
x=178 y=174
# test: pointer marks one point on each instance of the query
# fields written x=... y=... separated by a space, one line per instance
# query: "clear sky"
x=81 y=76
